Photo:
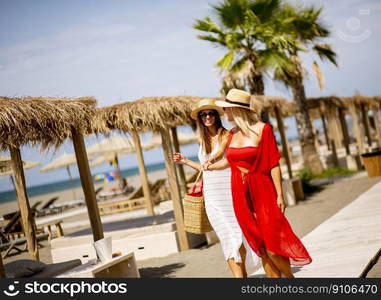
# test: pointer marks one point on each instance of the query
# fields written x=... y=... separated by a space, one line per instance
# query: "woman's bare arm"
x=181 y=159
x=220 y=165
x=221 y=149
x=276 y=175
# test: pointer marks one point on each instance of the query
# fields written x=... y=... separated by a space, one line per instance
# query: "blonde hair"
x=244 y=118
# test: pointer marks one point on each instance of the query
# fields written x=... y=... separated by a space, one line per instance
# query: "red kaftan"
x=254 y=199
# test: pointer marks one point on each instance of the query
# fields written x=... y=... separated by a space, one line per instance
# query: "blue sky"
x=119 y=51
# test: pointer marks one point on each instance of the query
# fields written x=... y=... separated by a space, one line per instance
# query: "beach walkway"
x=344 y=244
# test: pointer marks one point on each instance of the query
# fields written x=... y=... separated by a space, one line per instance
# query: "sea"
x=76 y=182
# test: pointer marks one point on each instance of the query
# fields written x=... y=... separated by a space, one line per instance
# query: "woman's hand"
x=280 y=203
x=206 y=165
x=179 y=158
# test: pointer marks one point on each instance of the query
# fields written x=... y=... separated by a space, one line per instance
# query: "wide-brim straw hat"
x=236 y=98
x=204 y=104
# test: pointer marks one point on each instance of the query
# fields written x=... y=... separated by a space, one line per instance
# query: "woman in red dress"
x=253 y=156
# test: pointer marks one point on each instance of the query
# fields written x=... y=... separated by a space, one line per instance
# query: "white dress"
x=220 y=211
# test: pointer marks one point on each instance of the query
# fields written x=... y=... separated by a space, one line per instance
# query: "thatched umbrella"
x=183 y=139
x=113 y=146
x=355 y=105
x=64 y=161
x=47 y=122
x=177 y=140
x=159 y=114
x=6 y=167
x=332 y=109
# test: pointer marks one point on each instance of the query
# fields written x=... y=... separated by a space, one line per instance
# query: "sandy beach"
x=208 y=261
x=67 y=195
x=304 y=217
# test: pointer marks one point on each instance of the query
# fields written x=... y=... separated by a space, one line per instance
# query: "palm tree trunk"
x=256 y=86
x=311 y=158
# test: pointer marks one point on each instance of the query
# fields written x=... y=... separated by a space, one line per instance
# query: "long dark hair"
x=203 y=131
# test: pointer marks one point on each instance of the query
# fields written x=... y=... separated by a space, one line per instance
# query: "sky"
x=120 y=51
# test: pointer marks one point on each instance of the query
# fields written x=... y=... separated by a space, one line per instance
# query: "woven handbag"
x=195 y=218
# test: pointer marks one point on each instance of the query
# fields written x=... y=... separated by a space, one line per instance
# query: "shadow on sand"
x=130 y=223
x=160 y=272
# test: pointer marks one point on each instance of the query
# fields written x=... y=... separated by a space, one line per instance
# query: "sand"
x=208 y=261
x=67 y=195
x=304 y=217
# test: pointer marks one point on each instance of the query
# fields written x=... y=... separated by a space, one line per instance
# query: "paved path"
x=343 y=245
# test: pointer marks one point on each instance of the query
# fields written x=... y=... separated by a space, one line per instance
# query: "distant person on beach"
x=217 y=191
x=256 y=181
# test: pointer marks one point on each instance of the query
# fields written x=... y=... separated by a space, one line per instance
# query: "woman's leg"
x=281 y=263
x=270 y=269
x=238 y=269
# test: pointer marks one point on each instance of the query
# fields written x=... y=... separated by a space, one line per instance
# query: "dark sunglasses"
x=210 y=114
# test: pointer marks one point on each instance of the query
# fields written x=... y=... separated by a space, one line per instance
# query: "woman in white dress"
x=217 y=185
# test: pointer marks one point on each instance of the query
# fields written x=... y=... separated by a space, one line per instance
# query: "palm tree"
x=243 y=28
x=266 y=36
x=307 y=31
x=240 y=28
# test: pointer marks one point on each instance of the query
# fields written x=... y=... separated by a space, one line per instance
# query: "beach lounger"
x=45 y=209
x=159 y=191
x=111 y=194
x=9 y=245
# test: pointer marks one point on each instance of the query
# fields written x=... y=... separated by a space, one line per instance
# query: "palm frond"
x=225 y=62
x=325 y=52
x=207 y=25
x=231 y=13
x=319 y=75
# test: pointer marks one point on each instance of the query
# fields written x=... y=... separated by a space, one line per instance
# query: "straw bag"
x=195 y=218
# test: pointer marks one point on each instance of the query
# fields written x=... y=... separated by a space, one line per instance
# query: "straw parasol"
x=64 y=161
x=112 y=147
x=106 y=158
x=47 y=122
x=184 y=139
x=6 y=167
x=41 y=120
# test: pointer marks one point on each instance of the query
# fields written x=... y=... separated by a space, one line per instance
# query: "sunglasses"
x=210 y=114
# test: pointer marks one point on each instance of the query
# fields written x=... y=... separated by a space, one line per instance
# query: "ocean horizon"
x=57 y=186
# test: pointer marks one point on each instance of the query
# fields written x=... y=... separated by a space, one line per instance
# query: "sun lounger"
x=9 y=245
x=45 y=209
x=111 y=194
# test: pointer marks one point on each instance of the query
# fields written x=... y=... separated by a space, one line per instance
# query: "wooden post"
x=117 y=166
x=357 y=129
x=344 y=129
x=87 y=185
x=334 y=154
x=175 y=192
x=365 y=121
x=377 y=124
x=2 y=271
x=180 y=167
x=26 y=215
x=333 y=130
x=285 y=148
x=143 y=174
x=325 y=130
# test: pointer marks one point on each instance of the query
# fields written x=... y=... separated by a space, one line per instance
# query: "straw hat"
x=236 y=98
x=204 y=104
